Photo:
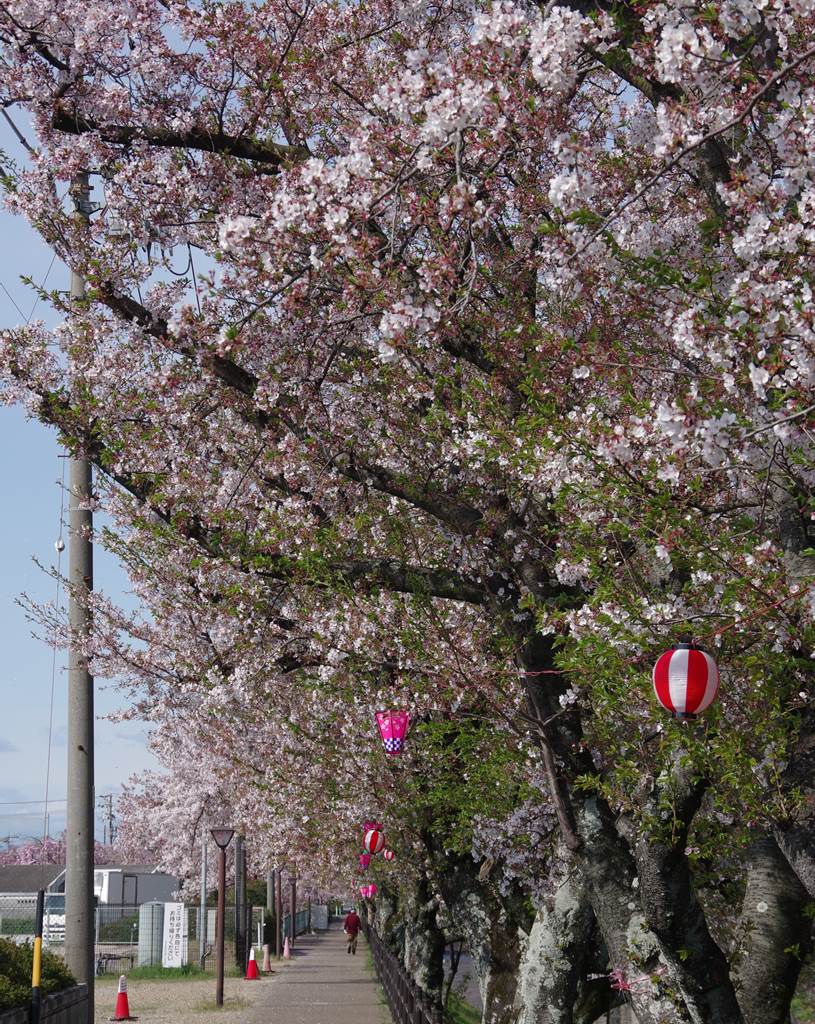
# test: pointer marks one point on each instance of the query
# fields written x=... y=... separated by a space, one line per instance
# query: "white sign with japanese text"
x=174 y=947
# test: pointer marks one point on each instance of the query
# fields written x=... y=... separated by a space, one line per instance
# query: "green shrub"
x=15 y=974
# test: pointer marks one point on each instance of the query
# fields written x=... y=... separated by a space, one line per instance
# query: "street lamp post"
x=278 y=914
x=222 y=837
x=293 y=884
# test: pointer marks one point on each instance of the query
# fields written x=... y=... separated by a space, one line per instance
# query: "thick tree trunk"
x=603 y=855
x=609 y=872
x=424 y=942
x=668 y=898
x=777 y=936
x=797 y=842
x=553 y=981
x=386 y=912
x=491 y=932
x=796 y=837
x=697 y=964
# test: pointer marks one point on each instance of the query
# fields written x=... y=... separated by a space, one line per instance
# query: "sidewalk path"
x=322 y=985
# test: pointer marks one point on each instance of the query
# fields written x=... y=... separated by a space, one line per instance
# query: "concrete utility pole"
x=79 y=916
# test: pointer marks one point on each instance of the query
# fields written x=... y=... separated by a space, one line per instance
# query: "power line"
x=42 y=286
x=11 y=299
x=19 y=803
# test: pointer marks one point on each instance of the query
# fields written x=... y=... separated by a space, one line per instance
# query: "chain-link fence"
x=128 y=935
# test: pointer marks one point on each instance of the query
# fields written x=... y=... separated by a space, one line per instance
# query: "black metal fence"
x=408 y=1003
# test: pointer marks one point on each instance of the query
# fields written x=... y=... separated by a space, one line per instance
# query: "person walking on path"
x=351 y=926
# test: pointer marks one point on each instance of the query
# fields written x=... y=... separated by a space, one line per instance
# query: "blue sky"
x=30 y=470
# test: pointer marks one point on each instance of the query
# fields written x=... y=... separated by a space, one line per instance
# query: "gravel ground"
x=182 y=1002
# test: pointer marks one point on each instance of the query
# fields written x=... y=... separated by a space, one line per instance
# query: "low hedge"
x=15 y=974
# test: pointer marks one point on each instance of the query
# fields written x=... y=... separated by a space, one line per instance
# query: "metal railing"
x=301 y=921
x=407 y=1002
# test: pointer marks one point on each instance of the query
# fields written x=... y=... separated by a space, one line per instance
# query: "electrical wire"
x=20 y=803
x=11 y=299
x=44 y=281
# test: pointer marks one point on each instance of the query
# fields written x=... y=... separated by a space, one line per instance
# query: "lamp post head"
x=222 y=836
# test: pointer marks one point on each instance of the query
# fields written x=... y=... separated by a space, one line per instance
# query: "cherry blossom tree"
x=459 y=356
x=52 y=851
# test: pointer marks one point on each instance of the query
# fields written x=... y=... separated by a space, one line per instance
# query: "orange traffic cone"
x=252 y=966
x=267 y=962
x=286 y=950
x=122 y=1011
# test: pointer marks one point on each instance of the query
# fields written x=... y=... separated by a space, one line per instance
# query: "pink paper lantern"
x=367 y=826
x=374 y=841
x=686 y=681
x=372 y=891
x=364 y=861
x=388 y=854
x=393 y=725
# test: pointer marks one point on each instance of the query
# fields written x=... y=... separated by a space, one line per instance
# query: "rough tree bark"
x=589 y=830
x=561 y=953
x=609 y=872
x=672 y=909
x=424 y=941
x=796 y=836
x=491 y=927
x=777 y=936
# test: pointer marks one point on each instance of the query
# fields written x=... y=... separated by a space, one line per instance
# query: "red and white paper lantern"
x=686 y=681
x=374 y=841
x=388 y=854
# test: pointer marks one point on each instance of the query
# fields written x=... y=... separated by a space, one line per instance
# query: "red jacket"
x=352 y=923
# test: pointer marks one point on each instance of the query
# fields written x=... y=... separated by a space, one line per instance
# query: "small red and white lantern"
x=388 y=854
x=393 y=725
x=686 y=681
x=374 y=841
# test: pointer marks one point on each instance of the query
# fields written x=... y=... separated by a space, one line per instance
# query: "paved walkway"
x=322 y=985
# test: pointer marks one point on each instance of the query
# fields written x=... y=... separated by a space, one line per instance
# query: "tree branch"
x=460 y=516
x=270 y=154
x=371 y=574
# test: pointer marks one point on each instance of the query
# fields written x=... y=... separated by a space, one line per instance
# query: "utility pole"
x=108 y=830
x=79 y=917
